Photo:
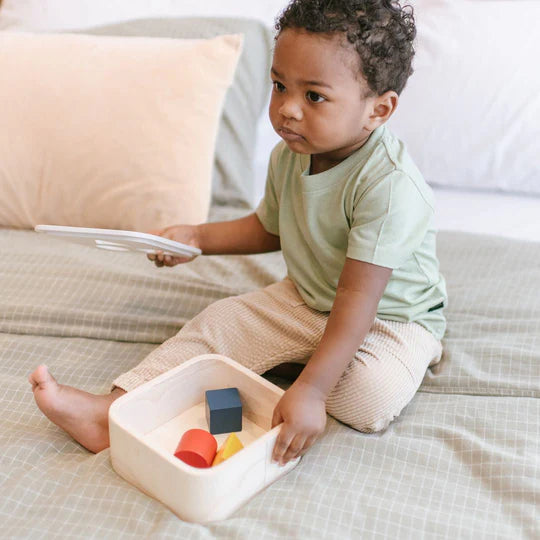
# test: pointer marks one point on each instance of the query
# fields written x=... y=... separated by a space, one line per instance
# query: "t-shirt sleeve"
x=389 y=222
x=268 y=209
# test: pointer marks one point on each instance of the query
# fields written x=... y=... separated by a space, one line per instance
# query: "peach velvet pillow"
x=109 y=132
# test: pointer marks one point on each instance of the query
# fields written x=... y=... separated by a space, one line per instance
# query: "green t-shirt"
x=374 y=206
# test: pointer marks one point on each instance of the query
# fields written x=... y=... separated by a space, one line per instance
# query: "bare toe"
x=45 y=388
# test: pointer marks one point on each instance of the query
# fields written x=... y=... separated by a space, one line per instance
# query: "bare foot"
x=84 y=416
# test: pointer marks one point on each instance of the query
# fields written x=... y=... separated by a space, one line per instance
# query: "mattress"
x=460 y=461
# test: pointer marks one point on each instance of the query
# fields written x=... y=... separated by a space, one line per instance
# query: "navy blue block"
x=223 y=410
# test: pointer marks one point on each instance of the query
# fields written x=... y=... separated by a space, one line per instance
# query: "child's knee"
x=372 y=423
x=370 y=404
x=366 y=420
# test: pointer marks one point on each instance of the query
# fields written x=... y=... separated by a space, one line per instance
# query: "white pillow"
x=470 y=114
x=111 y=132
x=69 y=14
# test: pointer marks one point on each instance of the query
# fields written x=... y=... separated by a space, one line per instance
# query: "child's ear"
x=383 y=108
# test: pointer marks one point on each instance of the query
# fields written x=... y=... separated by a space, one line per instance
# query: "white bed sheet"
x=501 y=214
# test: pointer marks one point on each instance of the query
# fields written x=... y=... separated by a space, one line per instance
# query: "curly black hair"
x=381 y=31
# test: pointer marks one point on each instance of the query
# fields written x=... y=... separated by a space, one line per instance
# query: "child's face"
x=319 y=104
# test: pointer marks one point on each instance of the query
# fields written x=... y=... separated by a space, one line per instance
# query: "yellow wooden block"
x=228 y=449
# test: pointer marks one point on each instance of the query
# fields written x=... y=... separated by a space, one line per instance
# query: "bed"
x=461 y=461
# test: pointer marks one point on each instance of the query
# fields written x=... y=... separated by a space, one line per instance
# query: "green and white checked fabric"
x=493 y=336
x=461 y=461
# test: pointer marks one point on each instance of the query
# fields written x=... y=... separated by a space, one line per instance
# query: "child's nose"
x=291 y=110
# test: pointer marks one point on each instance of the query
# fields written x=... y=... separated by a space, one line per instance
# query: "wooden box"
x=147 y=423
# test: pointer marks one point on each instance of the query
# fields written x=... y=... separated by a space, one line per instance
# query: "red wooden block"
x=197 y=448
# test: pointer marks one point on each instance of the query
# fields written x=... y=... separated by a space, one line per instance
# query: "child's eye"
x=314 y=97
x=278 y=87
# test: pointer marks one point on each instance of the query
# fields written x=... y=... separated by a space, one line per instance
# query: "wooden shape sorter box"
x=146 y=424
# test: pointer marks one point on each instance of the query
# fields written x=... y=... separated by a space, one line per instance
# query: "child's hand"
x=186 y=234
x=302 y=409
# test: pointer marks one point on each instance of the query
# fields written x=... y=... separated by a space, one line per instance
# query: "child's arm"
x=302 y=407
x=240 y=236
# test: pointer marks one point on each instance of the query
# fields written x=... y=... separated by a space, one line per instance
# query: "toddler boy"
x=362 y=303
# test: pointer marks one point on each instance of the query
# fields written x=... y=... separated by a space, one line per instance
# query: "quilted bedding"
x=461 y=461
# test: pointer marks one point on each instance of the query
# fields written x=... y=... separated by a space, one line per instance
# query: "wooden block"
x=232 y=445
x=223 y=410
x=197 y=448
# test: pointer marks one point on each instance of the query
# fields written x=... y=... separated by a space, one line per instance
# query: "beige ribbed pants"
x=271 y=326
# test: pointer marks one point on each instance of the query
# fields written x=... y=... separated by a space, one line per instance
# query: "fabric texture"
x=466 y=115
x=460 y=459
x=110 y=132
x=267 y=327
x=382 y=213
x=245 y=100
